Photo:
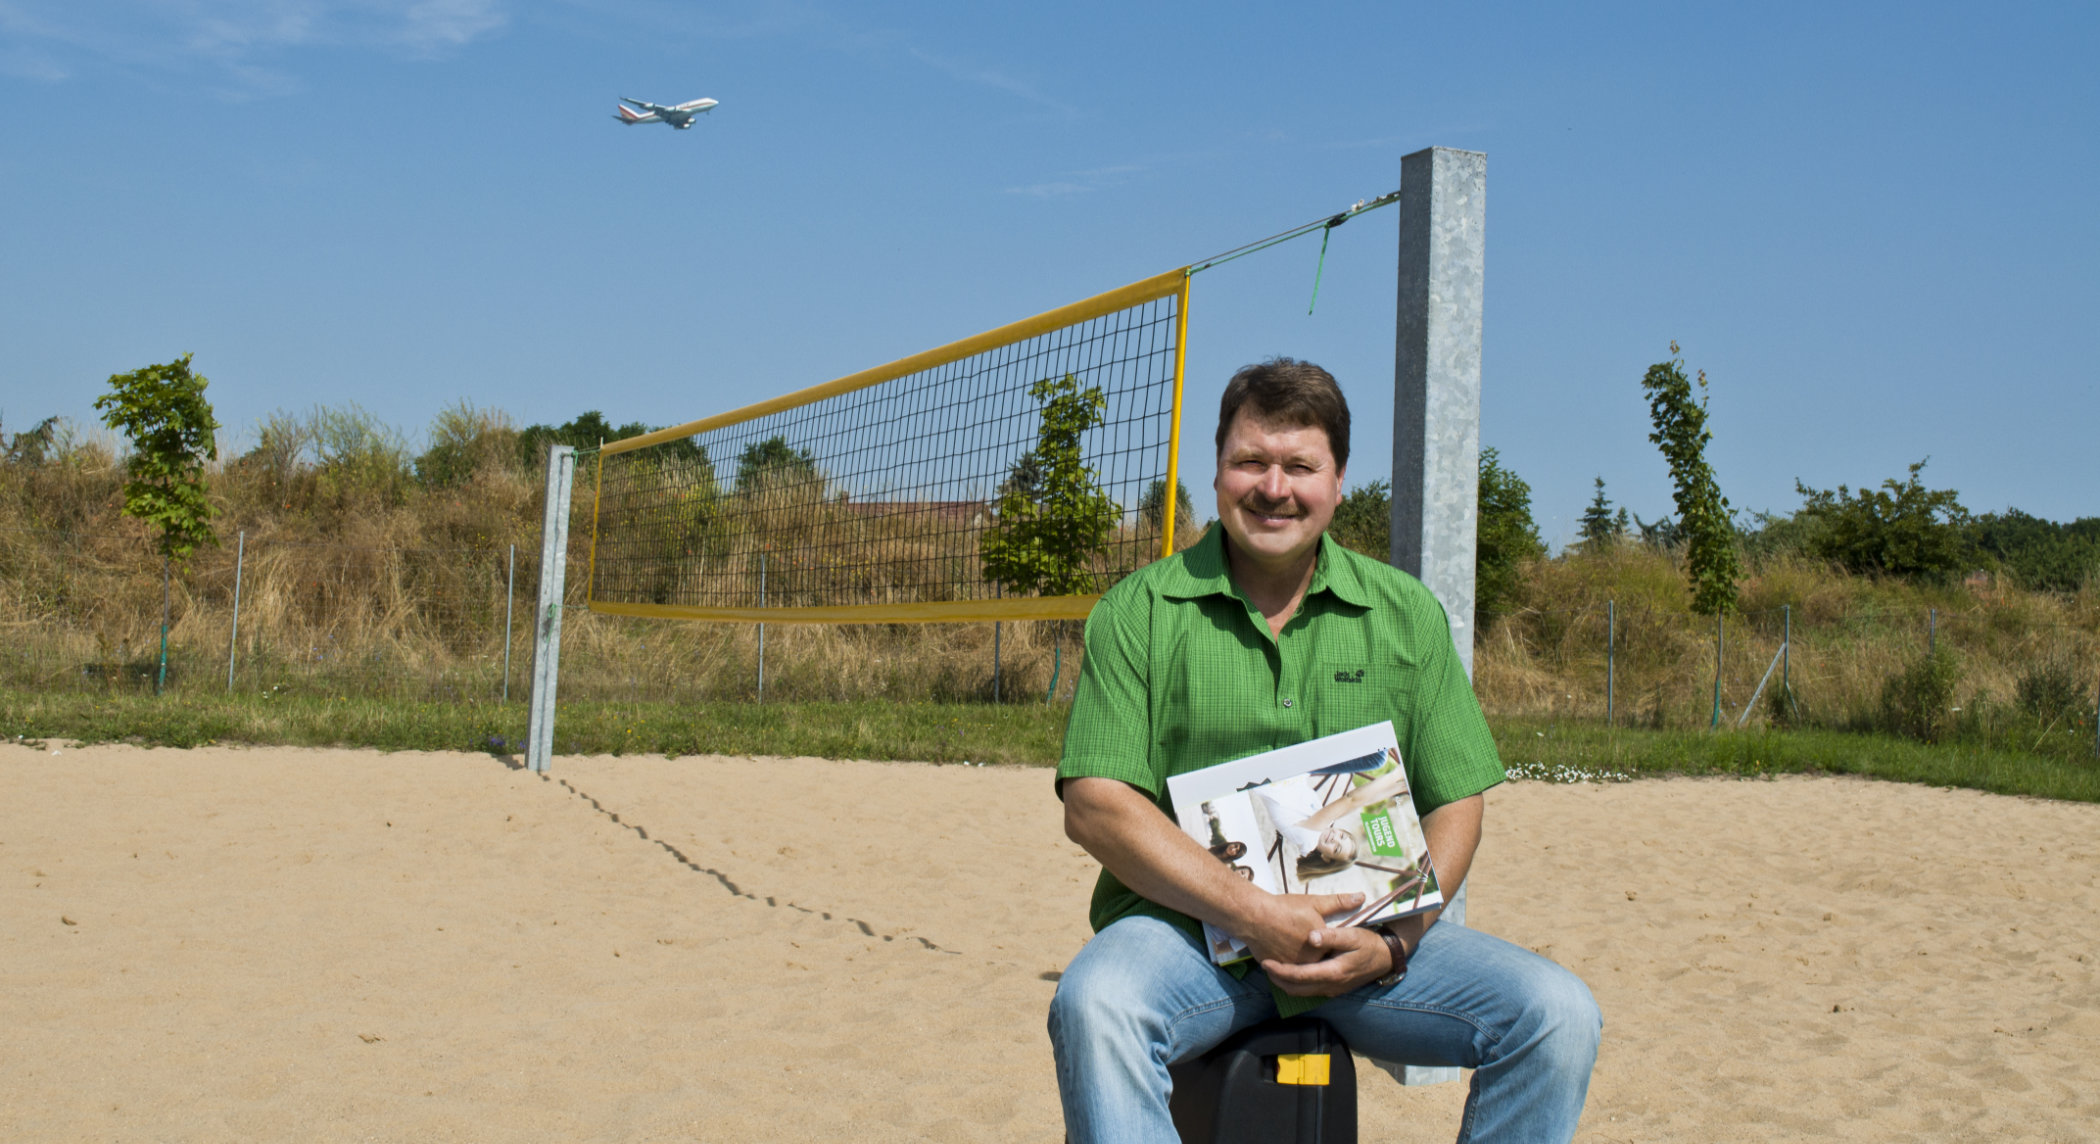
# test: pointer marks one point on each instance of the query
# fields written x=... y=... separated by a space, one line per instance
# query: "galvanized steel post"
x=546 y=647
x=761 y=629
x=233 y=640
x=1436 y=378
x=1720 y=658
x=1436 y=403
x=1786 y=660
x=510 y=597
x=1611 y=659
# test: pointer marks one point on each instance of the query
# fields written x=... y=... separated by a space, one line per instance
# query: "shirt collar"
x=1202 y=572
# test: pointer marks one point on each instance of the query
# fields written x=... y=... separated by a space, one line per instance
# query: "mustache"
x=1256 y=502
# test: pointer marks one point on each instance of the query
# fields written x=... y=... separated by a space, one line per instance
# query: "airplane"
x=678 y=115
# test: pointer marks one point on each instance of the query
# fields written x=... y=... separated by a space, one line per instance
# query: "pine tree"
x=1599 y=529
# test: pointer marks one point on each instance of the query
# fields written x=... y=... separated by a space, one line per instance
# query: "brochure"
x=1329 y=816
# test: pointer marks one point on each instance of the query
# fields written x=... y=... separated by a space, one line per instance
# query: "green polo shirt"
x=1181 y=673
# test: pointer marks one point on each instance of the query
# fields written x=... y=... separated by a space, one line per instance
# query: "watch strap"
x=1397 y=949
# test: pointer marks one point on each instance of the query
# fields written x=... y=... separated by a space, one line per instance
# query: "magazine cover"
x=1329 y=816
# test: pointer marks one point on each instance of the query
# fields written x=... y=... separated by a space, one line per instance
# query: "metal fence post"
x=1442 y=278
x=761 y=629
x=233 y=641
x=995 y=661
x=1932 y=631
x=1611 y=659
x=160 y=678
x=510 y=598
x=1786 y=658
x=546 y=648
x=1720 y=658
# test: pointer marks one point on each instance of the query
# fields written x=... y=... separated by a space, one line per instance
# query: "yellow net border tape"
x=1151 y=289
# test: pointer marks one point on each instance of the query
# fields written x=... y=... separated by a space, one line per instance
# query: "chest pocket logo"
x=1356 y=676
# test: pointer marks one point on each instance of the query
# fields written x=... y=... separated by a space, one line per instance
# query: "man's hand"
x=1122 y=828
x=1348 y=958
x=1288 y=927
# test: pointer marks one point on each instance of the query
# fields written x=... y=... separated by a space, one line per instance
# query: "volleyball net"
x=1013 y=475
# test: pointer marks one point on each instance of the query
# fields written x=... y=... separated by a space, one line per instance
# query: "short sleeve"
x=1451 y=751
x=1108 y=734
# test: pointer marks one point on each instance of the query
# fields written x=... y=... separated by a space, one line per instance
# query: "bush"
x=1363 y=521
x=1918 y=701
x=1900 y=529
x=1506 y=542
x=464 y=441
x=2051 y=690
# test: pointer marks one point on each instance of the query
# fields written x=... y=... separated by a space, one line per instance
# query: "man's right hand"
x=1282 y=926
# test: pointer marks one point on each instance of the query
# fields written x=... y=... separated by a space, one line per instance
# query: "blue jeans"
x=1143 y=994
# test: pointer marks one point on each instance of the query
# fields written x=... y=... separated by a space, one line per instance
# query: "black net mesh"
x=1034 y=468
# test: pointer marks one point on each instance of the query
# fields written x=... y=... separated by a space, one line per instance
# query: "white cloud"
x=996 y=80
x=244 y=39
x=1050 y=190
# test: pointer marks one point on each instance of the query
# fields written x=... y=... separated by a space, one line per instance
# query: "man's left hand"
x=1358 y=957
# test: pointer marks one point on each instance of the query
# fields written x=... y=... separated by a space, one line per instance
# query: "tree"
x=2040 y=554
x=1661 y=532
x=588 y=432
x=773 y=461
x=162 y=409
x=1154 y=503
x=1710 y=560
x=1899 y=529
x=1506 y=538
x=464 y=441
x=31 y=447
x=1363 y=521
x=1052 y=524
x=1599 y=527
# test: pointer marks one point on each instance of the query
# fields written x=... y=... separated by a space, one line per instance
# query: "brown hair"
x=1295 y=393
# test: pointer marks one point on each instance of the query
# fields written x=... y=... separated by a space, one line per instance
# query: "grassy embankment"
x=1025 y=733
x=372 y=613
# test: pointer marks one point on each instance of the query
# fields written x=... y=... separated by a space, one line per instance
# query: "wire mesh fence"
x=1923 y=671
x=263 y=617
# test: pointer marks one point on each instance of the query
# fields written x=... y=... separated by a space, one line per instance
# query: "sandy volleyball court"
x=343 y=945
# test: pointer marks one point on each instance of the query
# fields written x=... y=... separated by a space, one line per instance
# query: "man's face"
x=1277 y=487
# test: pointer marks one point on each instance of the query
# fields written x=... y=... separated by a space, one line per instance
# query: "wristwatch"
x=1398 y=950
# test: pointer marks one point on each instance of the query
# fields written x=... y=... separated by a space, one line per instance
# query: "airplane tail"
x=629 y=115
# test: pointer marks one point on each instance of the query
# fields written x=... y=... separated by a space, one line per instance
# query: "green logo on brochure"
x=1385 y=841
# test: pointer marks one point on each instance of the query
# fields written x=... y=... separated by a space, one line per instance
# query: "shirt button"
x=1286 y=703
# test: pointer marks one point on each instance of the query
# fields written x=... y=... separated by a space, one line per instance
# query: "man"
x=1264 y=634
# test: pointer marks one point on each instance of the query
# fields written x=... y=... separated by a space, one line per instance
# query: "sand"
x=302 y=945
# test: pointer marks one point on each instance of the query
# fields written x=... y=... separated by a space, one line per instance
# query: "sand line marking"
x=731 y=884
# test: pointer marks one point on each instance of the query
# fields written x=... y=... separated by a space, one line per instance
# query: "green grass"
x=1025 y=733
x=1590 y=749
x=929 y=732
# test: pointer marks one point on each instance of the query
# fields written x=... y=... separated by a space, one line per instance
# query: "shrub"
x=1899 y=529
x=464 y=441
x=1507 y=540
x=2052 y=690
x=1918 y=701
x=1363 y=521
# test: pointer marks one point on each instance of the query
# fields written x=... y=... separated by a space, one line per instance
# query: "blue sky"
x=1872 y=225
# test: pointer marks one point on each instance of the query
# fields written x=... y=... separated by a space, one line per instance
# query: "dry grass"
x=360 y=579
x=1849 y=636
